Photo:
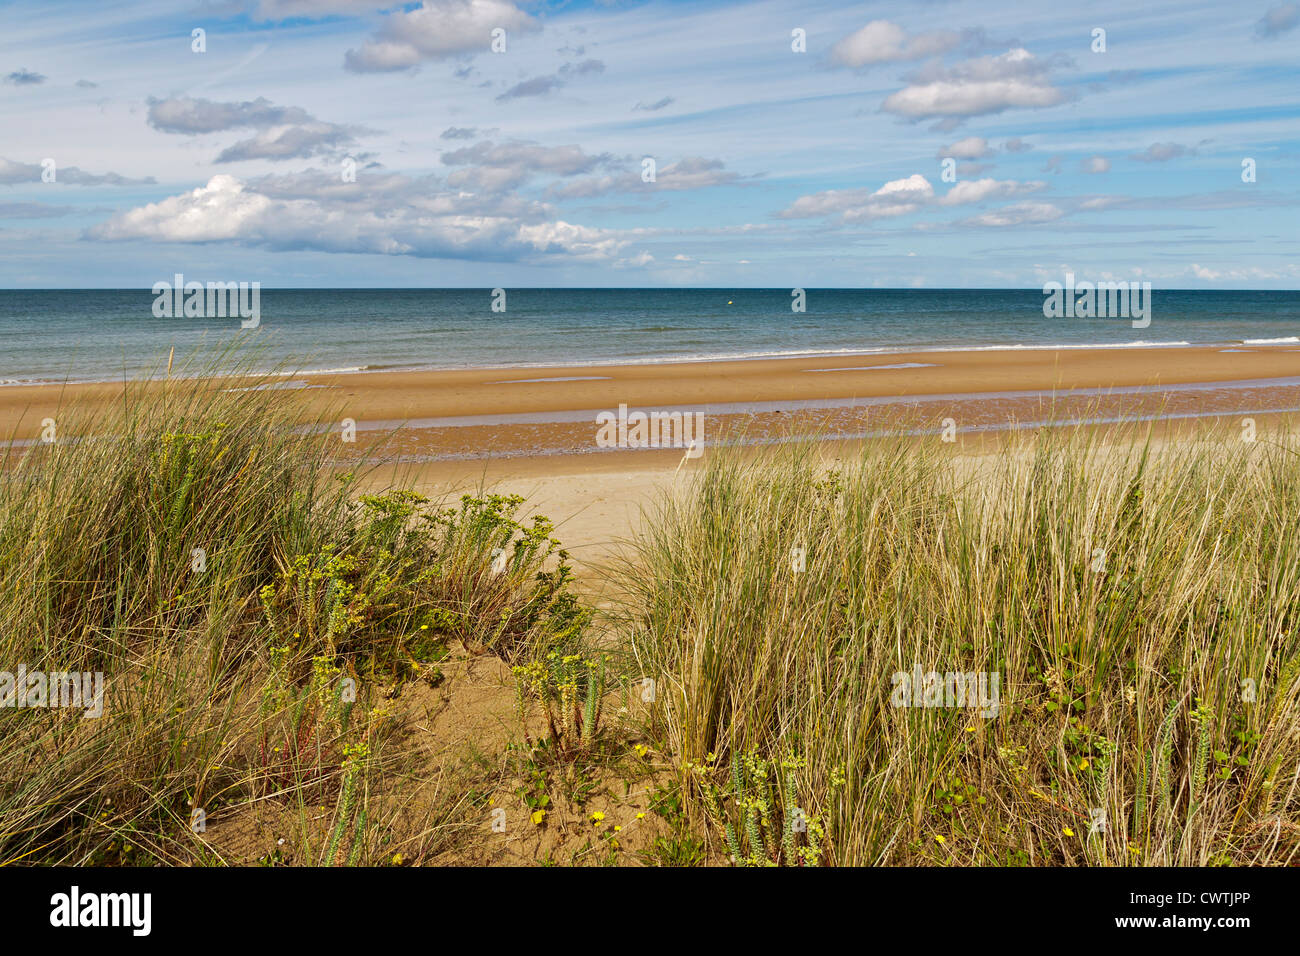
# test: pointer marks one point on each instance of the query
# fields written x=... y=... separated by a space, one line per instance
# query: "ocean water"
x=91 y=335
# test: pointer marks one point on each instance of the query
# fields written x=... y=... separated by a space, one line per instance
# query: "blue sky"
x=772 y=167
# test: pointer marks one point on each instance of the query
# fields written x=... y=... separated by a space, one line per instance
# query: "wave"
x=1289 y=340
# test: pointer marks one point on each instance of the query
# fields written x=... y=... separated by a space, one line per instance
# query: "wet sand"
x=551 y=411
x=533 y=431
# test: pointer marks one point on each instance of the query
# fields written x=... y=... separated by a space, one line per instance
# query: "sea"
x=109 y=334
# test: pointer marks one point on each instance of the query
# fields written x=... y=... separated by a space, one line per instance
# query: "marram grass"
x=1132 y=604
x=204 y=550
x=1139 y=604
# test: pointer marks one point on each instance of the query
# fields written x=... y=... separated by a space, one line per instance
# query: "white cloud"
x=1096 y=164
x=883 y=42
x=401 y=218
x=972 y=147
x=285 y=132
x=900 y=197
x=1015 y=79
x=895 y=198
x=981 y=190
x=1017 y=214
x=189 y=116
x=438 y=30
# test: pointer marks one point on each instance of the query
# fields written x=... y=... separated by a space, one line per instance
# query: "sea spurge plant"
x=569 y=691
x=758 y=810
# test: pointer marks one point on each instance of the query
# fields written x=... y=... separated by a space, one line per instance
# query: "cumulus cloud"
x=894 y=198
x=1278 y=20
x=292 y=142
x=900 y=197
x=181 y=114
x=437 y=30
x=982 y=190
x=25 y=77
x=972 y=147
x=12 y=172
x=285 y=132
x=881 y=41
x=398 y=216
x=1096 y=164
x=991 y=84
x=494 y=168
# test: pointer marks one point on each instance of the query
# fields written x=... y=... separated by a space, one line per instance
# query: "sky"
x=346 y=143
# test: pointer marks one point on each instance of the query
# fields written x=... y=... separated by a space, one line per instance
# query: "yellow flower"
x=1083 y=764
x=640 y=816
x=597 y=817
x=1067 y=831
x=938 y=839
x=537 y=817
x=617 y=828
x=397 y=859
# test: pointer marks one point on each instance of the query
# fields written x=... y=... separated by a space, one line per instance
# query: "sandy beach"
x=524 y=412
x=532 y=431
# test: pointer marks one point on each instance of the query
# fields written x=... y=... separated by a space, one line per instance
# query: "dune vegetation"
x=1065 y=652
x=1127 y=618
x=248 y=607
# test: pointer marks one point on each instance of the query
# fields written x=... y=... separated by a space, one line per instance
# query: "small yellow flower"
x=939 y=839
x=397 y=859
x=1067 y=831
x=1083 y=764
x=597 y=817
x=537 y=816
x=617 y=828
x=640 y=816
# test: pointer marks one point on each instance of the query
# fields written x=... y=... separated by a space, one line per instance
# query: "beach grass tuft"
x=1120 y=620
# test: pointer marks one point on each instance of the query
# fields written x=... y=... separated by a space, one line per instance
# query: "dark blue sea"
x=80 y=335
